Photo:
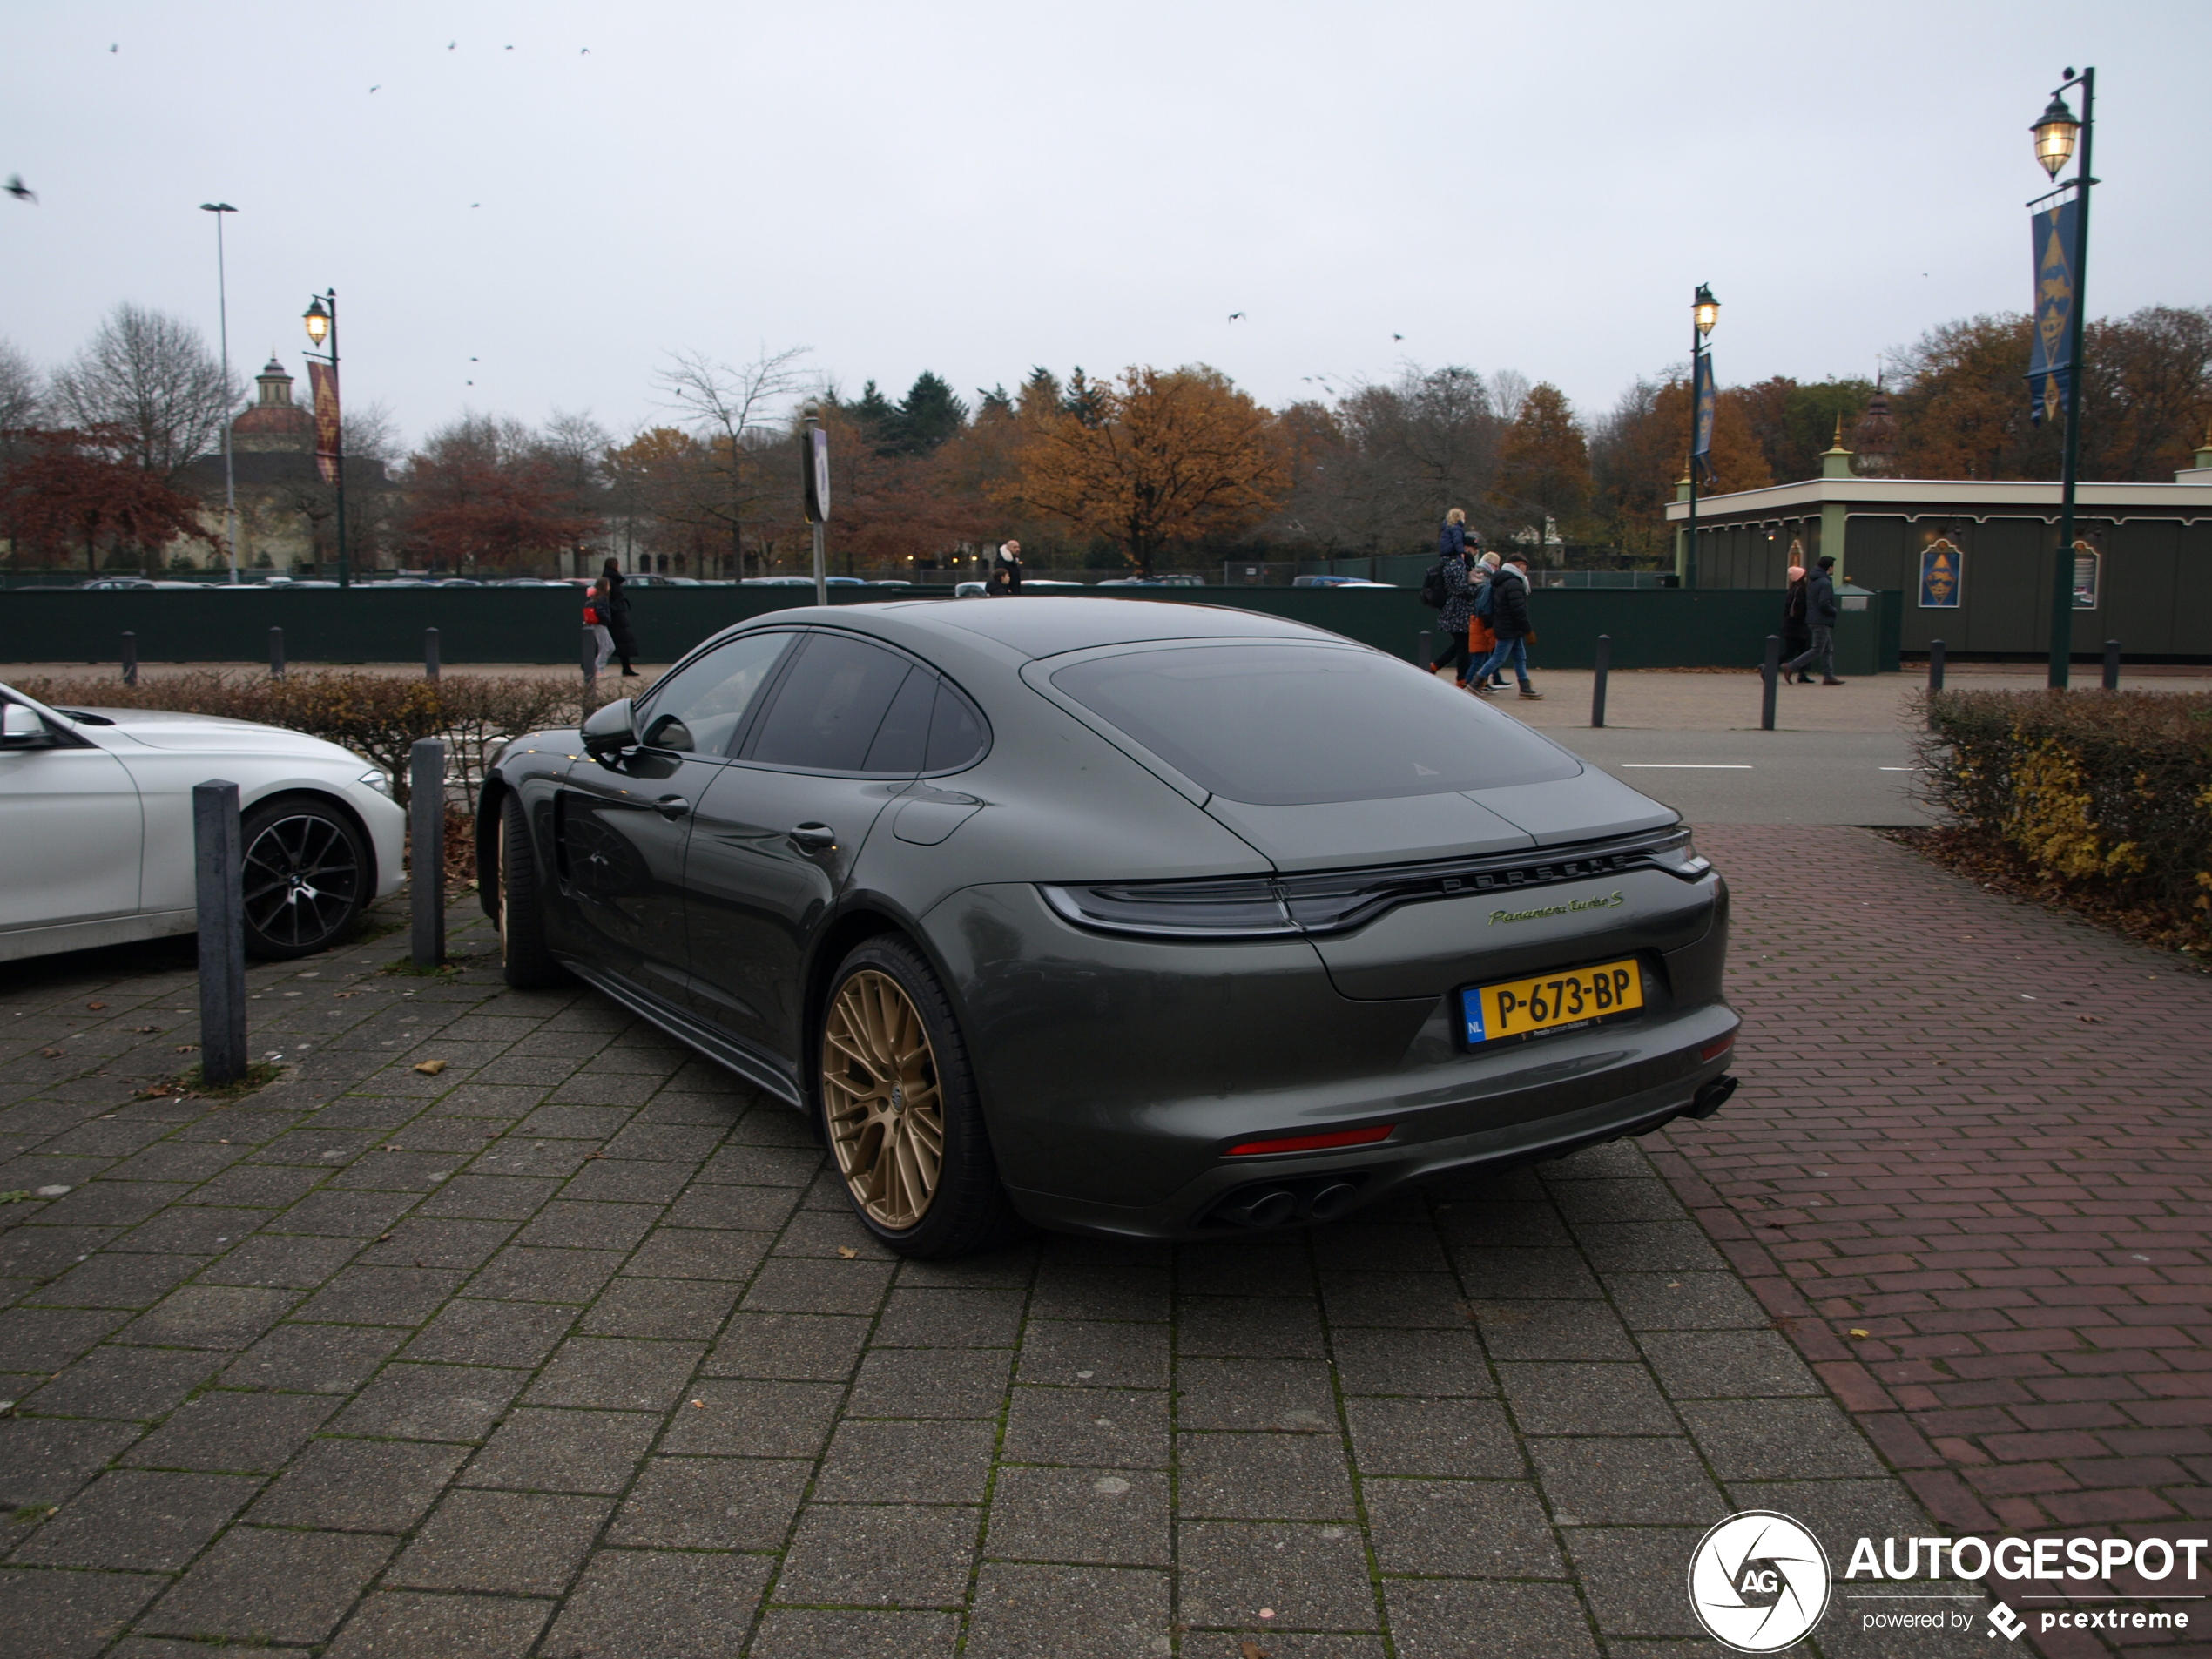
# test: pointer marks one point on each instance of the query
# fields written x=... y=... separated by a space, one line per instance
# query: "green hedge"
x=2109 y=791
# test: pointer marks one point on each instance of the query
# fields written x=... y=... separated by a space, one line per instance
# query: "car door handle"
x=815 y=838
x=671 y=807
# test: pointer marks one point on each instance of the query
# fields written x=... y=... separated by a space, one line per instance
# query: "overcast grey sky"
x=975 y=187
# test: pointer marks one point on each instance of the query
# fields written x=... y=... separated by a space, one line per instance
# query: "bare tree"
x=369 y=435
x=1509 y=390
x=734 y=411
x=154 y=376
x=576 y=446
x=23 y=391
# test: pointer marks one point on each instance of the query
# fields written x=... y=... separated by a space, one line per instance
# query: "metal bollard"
x=425 y=783
x=276 y=653
x=1771 y=672
x=1424 y=650
x=429 y=653
x=591 y=663
x=221 y=900
x=1935 y=665
x=1597 y=681
x=2112 y=664
x=129 y=658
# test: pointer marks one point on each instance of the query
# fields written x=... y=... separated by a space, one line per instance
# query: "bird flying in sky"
x=1234 y=315
x=19 y=189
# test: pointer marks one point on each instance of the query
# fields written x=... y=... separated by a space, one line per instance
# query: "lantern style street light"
x=2058 y=136
x=321 y=320
x=1704 y=312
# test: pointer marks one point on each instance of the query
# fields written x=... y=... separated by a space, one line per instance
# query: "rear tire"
x=524 y=962
x=305 y=876
x=896 y=1097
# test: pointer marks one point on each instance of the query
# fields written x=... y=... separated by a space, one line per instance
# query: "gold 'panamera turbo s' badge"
x=1612 y=900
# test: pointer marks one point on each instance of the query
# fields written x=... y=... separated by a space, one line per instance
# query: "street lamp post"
x=1704 y=312
x=2056 y=133
x=321 y=319
x=222 y=316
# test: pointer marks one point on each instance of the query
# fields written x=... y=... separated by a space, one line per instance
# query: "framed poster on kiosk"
x=1943 y=575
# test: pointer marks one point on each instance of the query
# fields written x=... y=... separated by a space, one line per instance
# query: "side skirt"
x=762 y=1073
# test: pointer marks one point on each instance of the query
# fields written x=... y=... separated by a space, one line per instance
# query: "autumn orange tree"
x=1643 y=450
x=88 y=482
x=1156 y=458
x=1544 y=463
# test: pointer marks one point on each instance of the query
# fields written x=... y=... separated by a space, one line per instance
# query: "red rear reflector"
x=1314 y=1143
x=1715 y=1050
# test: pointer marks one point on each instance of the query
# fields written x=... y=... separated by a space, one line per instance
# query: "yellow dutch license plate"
x=1550 y=1001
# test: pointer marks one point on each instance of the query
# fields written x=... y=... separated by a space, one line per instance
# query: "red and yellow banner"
x=324 y=379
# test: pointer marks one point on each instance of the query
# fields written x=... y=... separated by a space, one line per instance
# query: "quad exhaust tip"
x=1276 y=1204
x=1710 y=1098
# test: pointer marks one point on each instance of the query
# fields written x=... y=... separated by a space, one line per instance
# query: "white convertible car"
x=96 y=816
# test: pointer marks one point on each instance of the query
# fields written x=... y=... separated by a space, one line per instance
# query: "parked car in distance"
x=128 y=584
x=96 y=816
x=970 y=591
x=649 y=579
x=1176 y=581
x=1337 y=582
x=1028 y=583
x=1145 y=921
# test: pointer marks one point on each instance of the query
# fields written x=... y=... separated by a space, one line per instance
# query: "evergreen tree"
x=928 y=415
x=877 y=416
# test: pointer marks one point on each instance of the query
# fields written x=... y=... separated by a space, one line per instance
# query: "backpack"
x=591 y=616
x=1433 y=590
x=1486 y=599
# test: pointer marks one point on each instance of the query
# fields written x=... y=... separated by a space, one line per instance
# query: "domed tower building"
x=1874 y=439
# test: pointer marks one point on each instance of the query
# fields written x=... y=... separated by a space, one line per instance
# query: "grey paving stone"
x=1585 y=1400
x=1428 y=1363
x=522 y=1273
x=266 y=1585
x=1266 y=1266
x=68 y=1615
x=1363 y=1245
x=788 y=1285
x=281 y=1261
x=1288 y=1394
x=360 y=1485
x=1466 y=1438
x=350 y=1214
x=470 y=1332
x=1262 y=1477
x=1694 y=1364
x=1512 y=1225
x=112 y=1204
x=1461 y=1529
x=1616 y=1198
x=695 y=1253
x=935 y=1319
x=679 y=1143
x=518 y=1543
x=209 y=1315
x=617 y=1373
x=1633 y=1578
x=905 y=1462
x=1114 y=1428
x=1020 y=1611
x=537 y=1450
x=742 y=1209
x=1310 y=1578
x=776 y=1419
x=710 y=1503
x=1540 y=1330
x=1609 y=1481
x=1113 y=1517
x=430 y=1241
x=1064 y=1291
x=124 y=1382
x=763 y=1166
x=1837 y=1512
x=48 y=1339
x=118 y=1279
x=1407 y=1300
x=930 y=1382
x=1094 y=1354
x=431 y=1402
x=313 y=1359
x=872 y=1555
x=1778 y=1440
x=798 y=1633
x=1502 y=1272
x=1443 y=1618
x=139 y=1521
x=228 y=1430
x=660 y=1307
x=490 y=1197
x=634 y=1602
x=38 y=1251
x=593 y=1123
x=380 y=1296
x=398 y=1624
x=1252 y=1327
x=1685 y=1302
x=799 y=1347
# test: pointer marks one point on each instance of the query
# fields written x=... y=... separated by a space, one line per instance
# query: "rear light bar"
x=1715 y=1050
x=1313 y=1143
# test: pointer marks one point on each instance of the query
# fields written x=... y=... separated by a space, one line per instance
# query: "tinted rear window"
x=1285 y=725
x=828 y=708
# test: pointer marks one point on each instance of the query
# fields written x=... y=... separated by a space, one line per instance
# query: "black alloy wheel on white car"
x=306 y=874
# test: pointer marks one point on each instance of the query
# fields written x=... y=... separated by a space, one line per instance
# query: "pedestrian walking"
x=1797 y=637
x=1820 y=620
x=1509 y=622
x=597 y=608
x=1482 y=640
x=1459 y=595
x=1005 y=580
x=618 y=617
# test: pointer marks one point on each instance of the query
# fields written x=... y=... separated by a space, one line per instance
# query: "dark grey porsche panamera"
x=1151 y=920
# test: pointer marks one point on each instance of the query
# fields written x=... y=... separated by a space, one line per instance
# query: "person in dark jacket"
x=1459 y=595
x=618 y=623
x=1796 y=635
x=1005 y=580
x=1509 y=621
x=1820 y=618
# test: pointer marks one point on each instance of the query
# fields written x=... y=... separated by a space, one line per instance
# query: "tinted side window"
x=902 y=739
x=955 y=732
x=830 y=705
x=701 y=708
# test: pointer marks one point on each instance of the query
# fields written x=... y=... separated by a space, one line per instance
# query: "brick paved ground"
x=572 y=1350
x=1978 y=1132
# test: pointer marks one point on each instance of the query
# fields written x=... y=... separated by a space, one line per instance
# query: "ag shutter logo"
x=1758 y=1581
x=2007 y=1623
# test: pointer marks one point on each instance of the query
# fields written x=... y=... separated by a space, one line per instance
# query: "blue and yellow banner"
x=2050 y=352
x=1701 y=446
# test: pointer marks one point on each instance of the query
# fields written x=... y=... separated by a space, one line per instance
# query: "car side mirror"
x=611 y=730
x=21 y=728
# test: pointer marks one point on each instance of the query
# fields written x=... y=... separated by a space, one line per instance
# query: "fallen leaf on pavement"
x=847 y=1251
x=146 y=1030
x=1856 y=1331
x=96 y=1007
x=49 y=1054
x=1253 y=1650
x=2088 y=1019
x=431 y=1068
x=381 y=1237
x=187 y=1047
x=700 y=1403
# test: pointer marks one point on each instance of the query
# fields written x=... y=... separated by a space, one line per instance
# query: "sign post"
x=814 y=462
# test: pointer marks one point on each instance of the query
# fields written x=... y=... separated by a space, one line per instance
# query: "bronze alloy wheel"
x=880 y=1095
